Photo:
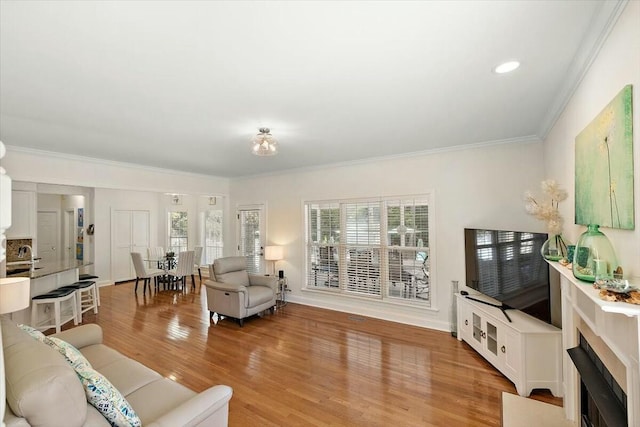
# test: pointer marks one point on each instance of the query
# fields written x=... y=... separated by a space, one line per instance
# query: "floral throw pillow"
x=107 y=399
x=36 y=334
x=72 y=354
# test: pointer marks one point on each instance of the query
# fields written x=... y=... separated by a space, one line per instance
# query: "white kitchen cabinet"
x=23 y=215
x=526 y=350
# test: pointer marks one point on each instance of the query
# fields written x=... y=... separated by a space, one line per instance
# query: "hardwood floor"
x=307 y=366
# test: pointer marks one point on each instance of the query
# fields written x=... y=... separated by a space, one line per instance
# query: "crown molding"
x=602 y=22
x=529 y=139
x=75 y=157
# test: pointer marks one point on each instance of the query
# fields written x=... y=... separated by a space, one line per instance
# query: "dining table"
x=166 y=263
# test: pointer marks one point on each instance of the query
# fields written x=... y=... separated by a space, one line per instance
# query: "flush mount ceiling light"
x=506 y=67
x=264 y=144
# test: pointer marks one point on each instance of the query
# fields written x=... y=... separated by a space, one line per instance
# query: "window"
x=324 y=231
x=372 y=248
x=178 y=232
x=213 y=243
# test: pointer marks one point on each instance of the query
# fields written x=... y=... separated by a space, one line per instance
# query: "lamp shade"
x=264 y=144
x=274 y=253
x=14 y=294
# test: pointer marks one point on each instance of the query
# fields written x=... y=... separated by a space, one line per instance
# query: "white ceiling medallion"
x=264 y=144
x=506 y=67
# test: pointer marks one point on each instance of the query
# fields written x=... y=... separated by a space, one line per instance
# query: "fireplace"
x=603 y=403
x=601 y=365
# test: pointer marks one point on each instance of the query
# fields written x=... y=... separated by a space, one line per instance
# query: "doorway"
x=251 y=236
x=48 y=237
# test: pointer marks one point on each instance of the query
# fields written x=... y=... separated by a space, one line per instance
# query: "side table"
x=281 y=294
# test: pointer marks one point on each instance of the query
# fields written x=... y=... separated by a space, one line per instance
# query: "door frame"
x=69 y=233
x=262 y=208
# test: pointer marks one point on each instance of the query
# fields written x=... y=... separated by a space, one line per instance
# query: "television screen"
x=507 y=266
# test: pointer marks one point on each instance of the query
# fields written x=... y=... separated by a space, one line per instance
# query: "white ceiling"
x=184 y=85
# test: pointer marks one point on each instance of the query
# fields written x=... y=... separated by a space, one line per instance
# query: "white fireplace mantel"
x=616 y=324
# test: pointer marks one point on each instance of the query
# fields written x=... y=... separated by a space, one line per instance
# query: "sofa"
x=233 y=292
x=42 y=388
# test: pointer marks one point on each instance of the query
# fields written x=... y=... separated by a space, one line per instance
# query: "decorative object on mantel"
x=632 y=297
x=604 y=166
x=594 y=257
x=555 y=248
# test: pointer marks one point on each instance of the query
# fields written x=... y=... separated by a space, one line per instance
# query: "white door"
x=48 y=236
x=251 y=236
x=129 y=233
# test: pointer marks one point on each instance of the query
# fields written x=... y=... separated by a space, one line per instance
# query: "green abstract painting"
x=604 y=167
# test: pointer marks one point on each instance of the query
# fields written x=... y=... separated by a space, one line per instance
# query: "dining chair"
x=144 y=273
x=156 y=252
x=184 y=268
x=197 y=256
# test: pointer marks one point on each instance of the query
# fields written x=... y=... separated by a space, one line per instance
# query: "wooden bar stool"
x=87 y=297
x=55 y=298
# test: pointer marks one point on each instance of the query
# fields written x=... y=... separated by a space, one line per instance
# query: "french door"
x=251 y=236
x=129 y=233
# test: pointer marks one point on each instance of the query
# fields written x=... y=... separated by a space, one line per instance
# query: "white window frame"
x=317 y=280
x=169 y=229
x=216 y=250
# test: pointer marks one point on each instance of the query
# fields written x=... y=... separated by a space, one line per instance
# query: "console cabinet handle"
x=503 y=349
x=466 y=322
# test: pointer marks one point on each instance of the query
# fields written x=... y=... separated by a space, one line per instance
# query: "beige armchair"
x=233 y=292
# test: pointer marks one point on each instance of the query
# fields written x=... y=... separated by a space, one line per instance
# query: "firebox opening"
x=603 y=402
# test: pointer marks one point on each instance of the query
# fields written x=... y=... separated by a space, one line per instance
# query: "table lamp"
x=275 y=254
x=14 y=294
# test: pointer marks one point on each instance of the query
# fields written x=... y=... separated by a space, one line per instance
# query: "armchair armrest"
x=82 y=336
x=225 y=287
x=258 y=280
x=211 y=408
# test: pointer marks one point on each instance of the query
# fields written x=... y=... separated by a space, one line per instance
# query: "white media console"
x=526 y=350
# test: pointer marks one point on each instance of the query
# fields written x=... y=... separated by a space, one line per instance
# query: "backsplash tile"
x=12 y=249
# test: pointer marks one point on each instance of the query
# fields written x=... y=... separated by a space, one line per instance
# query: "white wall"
x=478 y=187
x=616 y=65
x=116 y=186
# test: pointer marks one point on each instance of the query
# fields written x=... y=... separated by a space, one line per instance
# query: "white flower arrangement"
x=546 y=209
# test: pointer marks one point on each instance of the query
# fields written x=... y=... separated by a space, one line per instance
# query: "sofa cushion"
x=229 y=264
x=95 y=418
x=40 y=385
x=107 y=399
x=259 y=295
x=127 y=375
x=158 y=398
x=234 y=277
x=99 y=355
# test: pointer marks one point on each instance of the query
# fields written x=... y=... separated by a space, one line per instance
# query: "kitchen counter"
x=43 y=269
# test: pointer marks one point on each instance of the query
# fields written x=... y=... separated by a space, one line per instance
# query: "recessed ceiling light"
x=506 y=67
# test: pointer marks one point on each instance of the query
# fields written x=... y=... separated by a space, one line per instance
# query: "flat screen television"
x=507 y=266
